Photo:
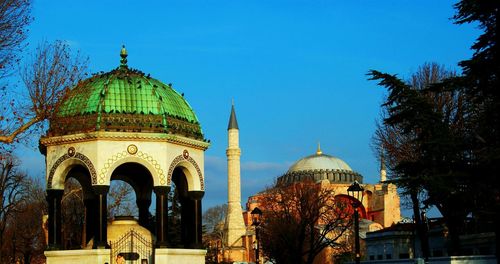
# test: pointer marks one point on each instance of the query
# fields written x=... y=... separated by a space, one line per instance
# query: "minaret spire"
x=233 y=123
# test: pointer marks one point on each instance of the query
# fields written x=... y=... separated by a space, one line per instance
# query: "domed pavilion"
x=126 y=125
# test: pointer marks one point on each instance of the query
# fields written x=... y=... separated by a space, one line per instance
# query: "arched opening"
x=179 y=207
x=73 y=215
x=174 y=218
x=76 y=208
x=189 y=208
x=139 y=179
x=88 y=214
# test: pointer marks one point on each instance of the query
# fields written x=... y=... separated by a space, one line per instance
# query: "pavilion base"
x=93 y=256
x=178 y=255
x=81 y=256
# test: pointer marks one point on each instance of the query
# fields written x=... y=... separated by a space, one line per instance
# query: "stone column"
x=196 y=197
x=54 y=198
x=161 y=215
x=144 y=215
x=90 y=218
x=187 y=225
x=101 y=228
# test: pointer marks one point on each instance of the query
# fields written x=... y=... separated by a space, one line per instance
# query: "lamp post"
x=356 y=191
x=256 y=214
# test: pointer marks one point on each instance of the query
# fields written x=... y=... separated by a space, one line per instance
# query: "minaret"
x=234 y=226
x=383 y=171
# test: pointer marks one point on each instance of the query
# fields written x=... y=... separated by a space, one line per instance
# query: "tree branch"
x=10 y=138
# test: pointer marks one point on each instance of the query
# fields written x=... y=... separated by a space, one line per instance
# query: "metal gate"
x=135 y=249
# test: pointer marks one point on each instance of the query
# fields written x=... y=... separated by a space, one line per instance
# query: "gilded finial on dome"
x=318 y=151
x=123 y=55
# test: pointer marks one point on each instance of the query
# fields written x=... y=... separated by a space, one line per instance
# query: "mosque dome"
x=124 y=100
x=319 y=162
x=318 y=167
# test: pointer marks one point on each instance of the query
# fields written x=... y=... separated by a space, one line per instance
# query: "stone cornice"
x=124 y=136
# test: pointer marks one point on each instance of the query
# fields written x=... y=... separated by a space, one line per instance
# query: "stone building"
x=400 y=242
x=380 y=207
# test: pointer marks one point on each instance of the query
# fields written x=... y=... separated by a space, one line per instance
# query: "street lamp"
x=356 y=191
x=256 y=214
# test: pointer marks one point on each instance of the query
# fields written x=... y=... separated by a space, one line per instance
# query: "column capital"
x=100 y=189
x=54 y=192
x=196 y=195
x=161 y=189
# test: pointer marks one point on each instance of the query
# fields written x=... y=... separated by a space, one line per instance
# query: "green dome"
x=124 y=100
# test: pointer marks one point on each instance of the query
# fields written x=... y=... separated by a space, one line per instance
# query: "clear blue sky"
x=296 y=69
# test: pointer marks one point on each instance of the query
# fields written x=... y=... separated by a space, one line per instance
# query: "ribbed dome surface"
x=125 y=100
x=320 y=167
x=319 y=162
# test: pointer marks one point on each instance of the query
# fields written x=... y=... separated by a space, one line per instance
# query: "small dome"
x=319 y=162
x=319 y=167
x=122 y=225
x=124 y=100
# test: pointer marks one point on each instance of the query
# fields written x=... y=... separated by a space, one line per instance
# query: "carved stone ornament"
x=185 y=154
x=71 y=151
x=132 y=149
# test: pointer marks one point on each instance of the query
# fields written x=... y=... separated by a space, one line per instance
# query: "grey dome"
x=320 y=167
x=319 y=162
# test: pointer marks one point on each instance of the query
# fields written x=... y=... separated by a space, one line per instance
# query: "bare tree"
x=53 y=69
x=14 y=17
x=301 y=220
x=13 y=190
x=214 y=216
x=28 y=238
x=49 y=72
x=213 y=221
x=120 y=200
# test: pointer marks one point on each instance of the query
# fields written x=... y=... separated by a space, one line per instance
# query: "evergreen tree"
x=482 y=86
x=436 y=162
x=457 y=152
